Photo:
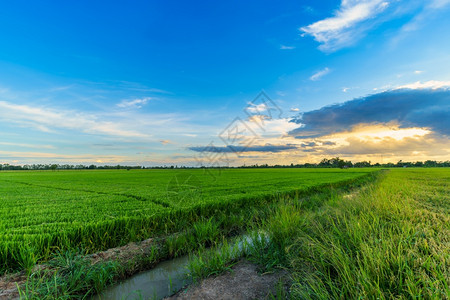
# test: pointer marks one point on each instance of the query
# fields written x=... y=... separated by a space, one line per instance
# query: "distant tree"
x=324 y=163
x=400 y=163
x=430 y=163
x=362 y=164
x=336 y=162
x=348 y=164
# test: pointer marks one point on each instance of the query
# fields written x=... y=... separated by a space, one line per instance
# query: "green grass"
x=44 y=212
x=269 y=230
x=70 y=277
x=389 y=240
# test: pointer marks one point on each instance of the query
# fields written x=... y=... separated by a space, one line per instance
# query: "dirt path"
x=244 y=282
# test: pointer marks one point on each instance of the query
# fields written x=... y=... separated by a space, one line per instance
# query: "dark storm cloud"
x=410 y=108
x=228 y=149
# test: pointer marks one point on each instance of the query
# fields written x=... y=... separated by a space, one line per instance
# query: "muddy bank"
x=124 y=254
x=8 y=288
x=244 y=282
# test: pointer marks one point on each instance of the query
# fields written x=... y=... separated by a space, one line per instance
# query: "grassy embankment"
x=391 y=240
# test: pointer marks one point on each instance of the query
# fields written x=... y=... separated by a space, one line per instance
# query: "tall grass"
x=71 y=277
x=389 y=240
x=386 y=242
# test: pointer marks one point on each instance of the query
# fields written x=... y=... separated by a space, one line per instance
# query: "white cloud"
x=427 y=13
x=345 y=90
x=418 y=72
x=294 y=109
x=436 y=4
x=318 y=75
x=46 y=119
x=136 y=103
x=257 y=108
x=284 y=47
x=274 y=129
x=345 y=26
x=431 y=84
x=27 y=145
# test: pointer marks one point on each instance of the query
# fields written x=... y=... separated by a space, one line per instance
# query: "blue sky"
x=154 y=82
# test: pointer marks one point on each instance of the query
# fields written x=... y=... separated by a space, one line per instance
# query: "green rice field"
x=43 y=212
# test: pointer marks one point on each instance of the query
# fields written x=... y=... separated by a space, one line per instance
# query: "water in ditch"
x=162 y=281
x=167 y=277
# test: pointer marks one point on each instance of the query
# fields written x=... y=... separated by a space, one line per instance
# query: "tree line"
x=335 y=162
x=63 y=167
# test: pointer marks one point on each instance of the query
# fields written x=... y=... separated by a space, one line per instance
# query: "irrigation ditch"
x=171 y=276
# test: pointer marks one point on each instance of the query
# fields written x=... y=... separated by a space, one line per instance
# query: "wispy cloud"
x=309 y=9
x=284 y=47
x=136 y=86
x=344 y=28
x=35 y=146
x=257 y=108
x=435 y=4
x=48 y=119
x=431 y=84
x=57 y=157
x=428 y=11
x=165 y=142
x=135 y=103
x=319 y=74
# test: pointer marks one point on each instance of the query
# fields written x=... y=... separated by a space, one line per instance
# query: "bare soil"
x=244 y=282
x=124 y=253
x=8 y=289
